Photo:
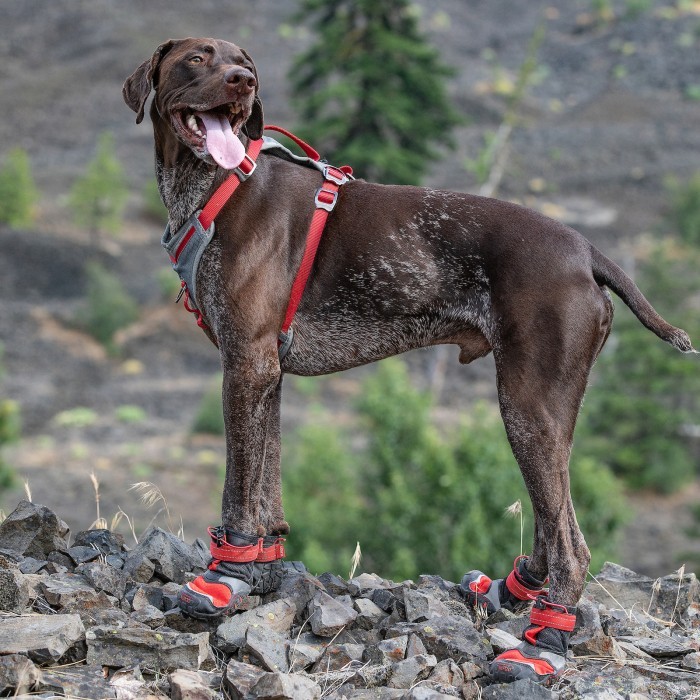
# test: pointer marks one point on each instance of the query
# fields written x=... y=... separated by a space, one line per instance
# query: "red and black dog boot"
x=229 y=579
x=517 y=589
x=542 y=655
x=269 y=569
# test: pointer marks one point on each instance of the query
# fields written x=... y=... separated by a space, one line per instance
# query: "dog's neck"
x=185 y=182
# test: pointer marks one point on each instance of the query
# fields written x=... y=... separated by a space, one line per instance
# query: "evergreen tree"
x=371 y=90
x=99 y=196
x=18 y=193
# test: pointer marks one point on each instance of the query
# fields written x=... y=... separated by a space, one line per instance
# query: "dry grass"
x=355 y=561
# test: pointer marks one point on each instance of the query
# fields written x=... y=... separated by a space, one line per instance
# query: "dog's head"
x=206 y=93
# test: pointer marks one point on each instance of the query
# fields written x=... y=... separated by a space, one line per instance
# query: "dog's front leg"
x=243 y=559
x=250 y=395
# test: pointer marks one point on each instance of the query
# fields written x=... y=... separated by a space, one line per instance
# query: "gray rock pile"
x=87 y=617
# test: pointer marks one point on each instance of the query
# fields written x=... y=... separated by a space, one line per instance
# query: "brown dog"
x=397 y=268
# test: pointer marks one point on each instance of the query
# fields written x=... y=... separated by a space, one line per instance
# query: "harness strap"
x=273 y=552
x=221 y=550
x=230 y=184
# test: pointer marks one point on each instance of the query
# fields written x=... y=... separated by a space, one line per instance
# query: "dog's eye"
x=196 y=59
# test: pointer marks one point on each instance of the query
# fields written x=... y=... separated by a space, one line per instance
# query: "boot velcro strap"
x=221 y=550
x=548 y=617
x=520 y=590
x=273 y=552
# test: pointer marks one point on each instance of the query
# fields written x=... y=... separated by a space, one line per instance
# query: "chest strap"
x=325 y=200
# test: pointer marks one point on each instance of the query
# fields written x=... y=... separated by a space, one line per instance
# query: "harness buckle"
x=245 y=172
x=320 y=203
x=334 y=174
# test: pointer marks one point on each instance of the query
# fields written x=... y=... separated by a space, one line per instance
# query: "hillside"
x=611 y=116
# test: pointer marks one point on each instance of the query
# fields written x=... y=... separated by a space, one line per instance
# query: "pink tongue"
x=223 y=145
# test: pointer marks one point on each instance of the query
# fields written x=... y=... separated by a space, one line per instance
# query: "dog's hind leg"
x=543 y=358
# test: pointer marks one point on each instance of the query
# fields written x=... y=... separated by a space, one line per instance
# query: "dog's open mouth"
x=214 y=132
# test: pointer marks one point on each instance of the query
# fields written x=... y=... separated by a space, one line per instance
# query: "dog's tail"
x=606 y=272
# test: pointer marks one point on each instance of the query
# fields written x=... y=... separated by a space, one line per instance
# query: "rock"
x=389 y=651
x=421 y=692
x=78 y=682
x=415 y=646
x=103 y=541
x=617 y=586
x=82 y=555
x=14 y=589
x=299 y=587
x=328 y=616
x=29 y=565
x=632 y=651
x=369 y=615
x=405 y=673
x=188 y=685
x=303 y=653
x=103 y=577
x=447 y=673
x=177 y=620
x=239 y=678
x=280 y=686
x=72 y=593
x=266 y=646
x=589 y=639
x=149 y=615
x=172 y=558
x=33 y=530
x=162 y=650
x=147 y=595
x=365 y=584
x=44 y=638
x=471 y=670
x=338 y=657
x=334 y=585
x=277 y=616
x=421 y=606
x=518 y=691
x=446 y=637
x=501 y=641
x=139 y=567
x=620 y=623
x=386 y=600
x=660 y=647
x=17 y=675
x=691 y=661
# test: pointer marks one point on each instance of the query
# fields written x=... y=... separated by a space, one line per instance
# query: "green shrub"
x=18 y=194
x=169 y=283
x=109 y=306
x=419 y=501
x=209 y=418
x=98 y=197
x=684 y=212
x=152 y=203
x=9 y=433
x=78 y=417
x=130 y=414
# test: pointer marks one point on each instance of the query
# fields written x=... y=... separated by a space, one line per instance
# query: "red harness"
x=325 y=200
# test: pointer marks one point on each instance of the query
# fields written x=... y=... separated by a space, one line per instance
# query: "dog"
x=397 y=268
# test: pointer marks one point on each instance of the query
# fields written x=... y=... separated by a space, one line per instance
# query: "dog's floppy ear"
x=253 y=127
x=137 y=86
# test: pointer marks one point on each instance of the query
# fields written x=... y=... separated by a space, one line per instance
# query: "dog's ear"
x=137 y=86
x=253 y=128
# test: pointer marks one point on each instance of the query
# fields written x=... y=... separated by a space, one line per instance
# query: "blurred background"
x=587 y=110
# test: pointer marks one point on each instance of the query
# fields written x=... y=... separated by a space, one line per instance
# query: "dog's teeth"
x=192 y=123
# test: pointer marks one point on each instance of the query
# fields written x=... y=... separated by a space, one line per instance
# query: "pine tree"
x=99 y=196
x=371 y=90
x=18 y=193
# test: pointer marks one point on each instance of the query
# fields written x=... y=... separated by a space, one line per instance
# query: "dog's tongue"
x=223 y=145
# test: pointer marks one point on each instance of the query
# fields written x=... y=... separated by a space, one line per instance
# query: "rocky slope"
x=86 y=617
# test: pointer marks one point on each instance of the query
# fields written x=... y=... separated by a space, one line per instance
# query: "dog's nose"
x=241 y=78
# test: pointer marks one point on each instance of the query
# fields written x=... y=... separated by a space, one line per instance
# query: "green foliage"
x=645 y=394
x=109 y=306
x=129 y=413
x=684 y=212
x=153 y=204
x=209 y=418
x=9 y=433
x=371 y=91
x=18 y=193
x=98 y=197
x=169 y=283
x=635 y=8
x=417 y=500
x=78 y=417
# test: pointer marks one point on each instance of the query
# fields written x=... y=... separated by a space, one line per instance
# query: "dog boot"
x=542 y=654
x=229 y=578
x=517 y=589
x=269 y=569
